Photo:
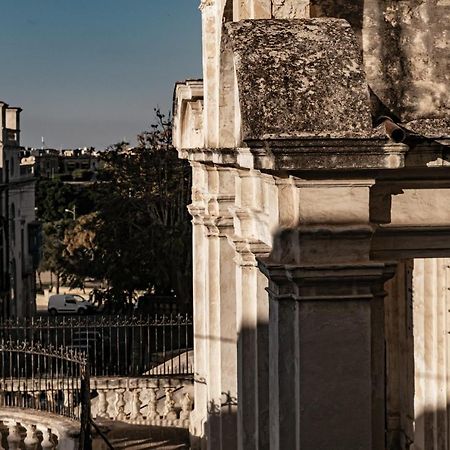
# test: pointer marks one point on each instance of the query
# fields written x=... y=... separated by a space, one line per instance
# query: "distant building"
x=19 y=232
x=48 y=162
x=42 y=163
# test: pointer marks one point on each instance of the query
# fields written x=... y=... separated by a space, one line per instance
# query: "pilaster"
x=215 y=295
x=252 y=226
x=431 y=360
x=326 y=335
x=253 y=345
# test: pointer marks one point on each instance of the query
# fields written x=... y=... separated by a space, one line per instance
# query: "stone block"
x=299 y=78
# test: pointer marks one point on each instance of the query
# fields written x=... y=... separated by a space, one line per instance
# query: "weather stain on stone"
x=301 y=77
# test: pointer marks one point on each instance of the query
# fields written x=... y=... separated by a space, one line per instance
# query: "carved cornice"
x=306 y=154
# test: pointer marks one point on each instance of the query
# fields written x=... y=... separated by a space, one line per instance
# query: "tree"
x=140 y=238
x=80 y=250
x=54 y=198
x=53 y=259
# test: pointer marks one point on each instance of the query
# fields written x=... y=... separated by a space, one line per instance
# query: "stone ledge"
x=327 y=154
x=306 y=154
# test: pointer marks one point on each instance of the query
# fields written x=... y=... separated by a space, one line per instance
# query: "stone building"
x=19 y=231
x=51 y=163
x=319 y=144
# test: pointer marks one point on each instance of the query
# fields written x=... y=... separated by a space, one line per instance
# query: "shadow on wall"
x=220 y=418
x=352 y=12
x=431 y=432
x=251 y=351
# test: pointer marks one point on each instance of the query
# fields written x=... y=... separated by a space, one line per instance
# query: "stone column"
x=431 y=357
x=253 y=348
x=252 y=228
x=199 y=415
x=399 y=359
x=220 y=312
x=326 y=343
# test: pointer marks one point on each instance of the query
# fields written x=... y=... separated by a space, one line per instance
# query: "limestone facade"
x=18 y=231
x=305 y=204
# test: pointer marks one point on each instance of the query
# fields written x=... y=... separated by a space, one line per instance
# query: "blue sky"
x=90 y=72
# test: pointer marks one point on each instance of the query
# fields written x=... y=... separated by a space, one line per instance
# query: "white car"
x=68 y=304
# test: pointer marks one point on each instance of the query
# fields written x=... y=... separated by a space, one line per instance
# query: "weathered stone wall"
x=405 y=45
x=299 y=78
x=293 y=184
x=406 y=51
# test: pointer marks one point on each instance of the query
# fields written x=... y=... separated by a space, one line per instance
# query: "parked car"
x=69 y=304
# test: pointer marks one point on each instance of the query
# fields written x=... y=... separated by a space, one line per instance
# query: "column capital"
x=197 y=213
x=221 y=226
x=362 y=281
x=248 y=251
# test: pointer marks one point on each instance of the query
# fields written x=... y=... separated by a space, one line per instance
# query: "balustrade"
x=157 y=402
x=46 y=385
x=21 y=429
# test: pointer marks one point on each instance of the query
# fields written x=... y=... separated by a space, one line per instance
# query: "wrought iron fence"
x=157 y=345
x=46 y=379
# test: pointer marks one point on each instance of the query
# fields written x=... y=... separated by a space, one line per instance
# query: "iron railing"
x=46 y=379
x=157 y=345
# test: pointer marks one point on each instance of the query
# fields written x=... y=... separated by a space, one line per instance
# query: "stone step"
x=145 y=444
x=142 y=437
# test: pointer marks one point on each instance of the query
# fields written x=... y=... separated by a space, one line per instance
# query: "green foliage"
x=82 y=175
x=53 y=197
x=53 y=251
x=140 y=237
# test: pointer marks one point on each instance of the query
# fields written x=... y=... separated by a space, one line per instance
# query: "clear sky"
x=90 y=72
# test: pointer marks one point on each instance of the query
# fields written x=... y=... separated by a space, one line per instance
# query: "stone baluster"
x=102 y=404
x=50 y=400
x=169 y=413
x=31 y=440
x=47 y=441
x=152 y=408
x=68 y=400
x=186 y=408
x=136 y=403
x=14 y=438
x=37 y=399
x=2 y=434
x=120 y=404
